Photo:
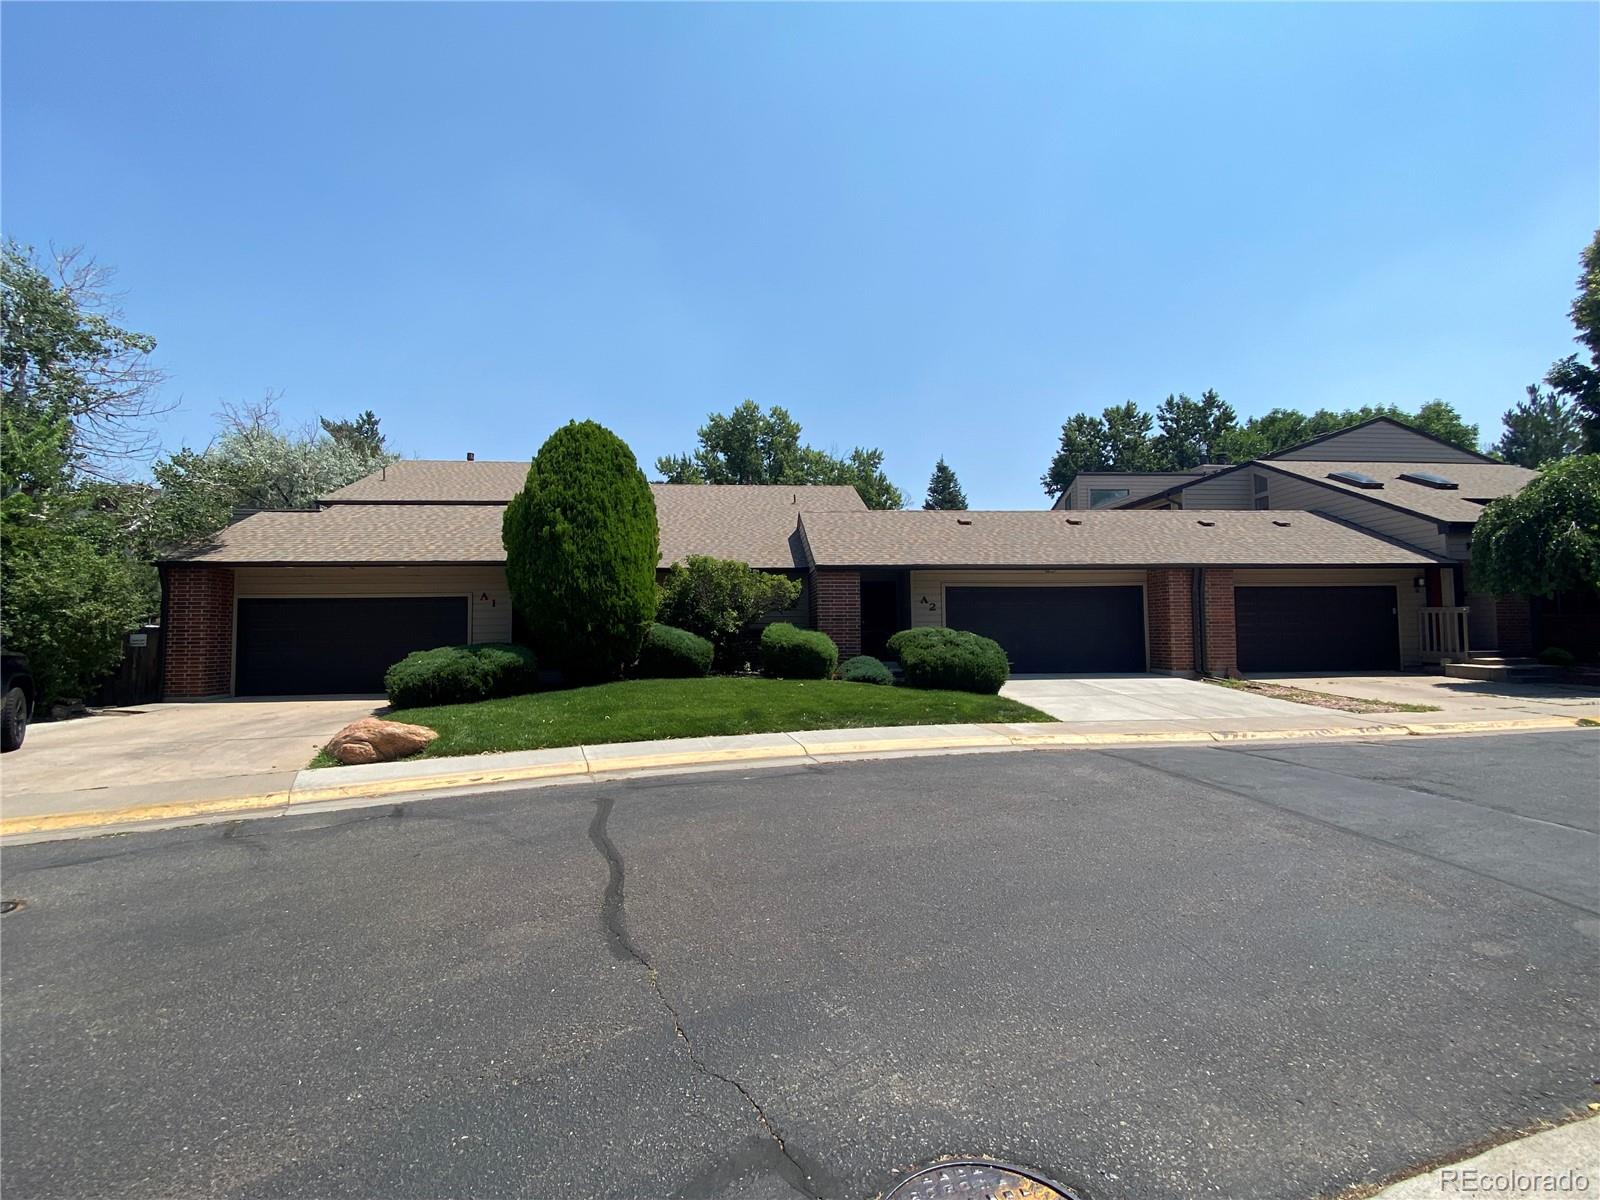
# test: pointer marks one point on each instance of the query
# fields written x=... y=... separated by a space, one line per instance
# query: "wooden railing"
x=1444 y=633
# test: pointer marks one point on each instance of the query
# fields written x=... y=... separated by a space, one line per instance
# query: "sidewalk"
x=37 y=816
x=1564 y=1161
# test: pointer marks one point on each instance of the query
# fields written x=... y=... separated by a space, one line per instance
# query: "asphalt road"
x=1253 y=972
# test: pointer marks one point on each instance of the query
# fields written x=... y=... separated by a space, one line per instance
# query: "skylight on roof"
x=1355 y=479
x=1429 y=479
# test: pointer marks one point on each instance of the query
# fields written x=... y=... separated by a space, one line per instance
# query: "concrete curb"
x=341 y=787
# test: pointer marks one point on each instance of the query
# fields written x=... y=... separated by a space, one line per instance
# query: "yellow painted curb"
x=1336 y=731
x=428 y=783
x=53 y=822
x=1422 y=730
x=1134 y=739
x=882 y=745
x=644 y=762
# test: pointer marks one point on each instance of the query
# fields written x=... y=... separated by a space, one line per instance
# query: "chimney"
x=471 y=457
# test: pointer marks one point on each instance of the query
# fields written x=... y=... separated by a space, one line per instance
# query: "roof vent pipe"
x=471 y=457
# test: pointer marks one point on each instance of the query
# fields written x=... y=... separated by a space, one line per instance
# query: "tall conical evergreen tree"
x=944 y=489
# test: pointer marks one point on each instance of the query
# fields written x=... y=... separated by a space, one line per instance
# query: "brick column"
x=836 y=608
x=1513 y=618
x=1222 y=649
x=1169 y=613
x=198 y=635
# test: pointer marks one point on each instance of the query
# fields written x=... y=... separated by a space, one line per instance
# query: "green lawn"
x=645 y=709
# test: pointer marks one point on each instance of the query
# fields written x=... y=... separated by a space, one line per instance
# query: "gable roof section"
x=1477 y=481
x=754 y=524
x=1277 y=459
x=1098 y=538
x=359 y=534
x=1327 y=442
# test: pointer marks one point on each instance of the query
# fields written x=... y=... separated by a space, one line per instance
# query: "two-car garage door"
x=309 y=647
x=1050 y=630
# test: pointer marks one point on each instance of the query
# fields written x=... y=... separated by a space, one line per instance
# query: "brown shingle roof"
x=361 y=533
x=1478 y=481
x=436 y=481
x=753 y=524
x=1099 y=538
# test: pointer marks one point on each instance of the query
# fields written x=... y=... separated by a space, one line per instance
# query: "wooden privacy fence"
x=137 y=679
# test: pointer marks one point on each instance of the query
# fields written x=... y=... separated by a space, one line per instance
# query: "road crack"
x=614 y=921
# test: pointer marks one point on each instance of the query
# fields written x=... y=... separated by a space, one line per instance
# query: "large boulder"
x=373 y=740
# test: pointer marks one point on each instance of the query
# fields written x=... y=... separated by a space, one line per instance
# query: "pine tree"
x=944 y=489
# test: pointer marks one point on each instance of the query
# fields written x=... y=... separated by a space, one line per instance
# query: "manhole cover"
x=9 y=906
x=977 y=1179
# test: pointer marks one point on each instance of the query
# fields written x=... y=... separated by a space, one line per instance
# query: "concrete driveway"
x=162 y=753
x=1155 y=698
x=1463 y=699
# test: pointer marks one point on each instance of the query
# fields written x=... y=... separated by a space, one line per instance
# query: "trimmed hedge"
x=791 y=653
x=950 y=659
x=670 y=653
x=863 y=668
x=582 y=546
x=1555 y=656
x=461 y=674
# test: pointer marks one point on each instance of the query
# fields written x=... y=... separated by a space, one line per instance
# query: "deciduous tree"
x=752 y=446
x=1544 y=539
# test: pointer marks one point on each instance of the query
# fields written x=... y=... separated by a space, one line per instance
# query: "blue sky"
x=938 y=230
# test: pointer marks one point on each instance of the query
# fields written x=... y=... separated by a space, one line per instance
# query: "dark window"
x=1098 y=497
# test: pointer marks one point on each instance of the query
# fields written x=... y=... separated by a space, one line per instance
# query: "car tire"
x=13 y=719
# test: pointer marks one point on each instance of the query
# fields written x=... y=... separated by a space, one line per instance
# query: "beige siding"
x=1230 y=490
x=1409 y=599
x=490 y=610
x=927 y=587
x=1285 y=492
x=1381 y=443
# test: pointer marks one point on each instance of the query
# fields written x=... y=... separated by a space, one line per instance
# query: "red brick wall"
x=1169 y=612
x=836 y=608
x=1514 y=624
x=1222 y=638
x=199 y=632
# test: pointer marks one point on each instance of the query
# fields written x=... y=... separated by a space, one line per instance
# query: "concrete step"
x=1500 y=669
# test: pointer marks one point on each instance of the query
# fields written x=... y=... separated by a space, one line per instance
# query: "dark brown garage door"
x=1317 y=628
x=1046 y=631
x=331 y=647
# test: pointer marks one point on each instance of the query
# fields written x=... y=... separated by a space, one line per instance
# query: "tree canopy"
x=1185 y=433
x=78 y=535
x=1544 y=539
x=1575 y=381
x=944 y=489
x=748 y=445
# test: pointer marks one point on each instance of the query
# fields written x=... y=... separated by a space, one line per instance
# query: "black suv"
x=16 y=700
